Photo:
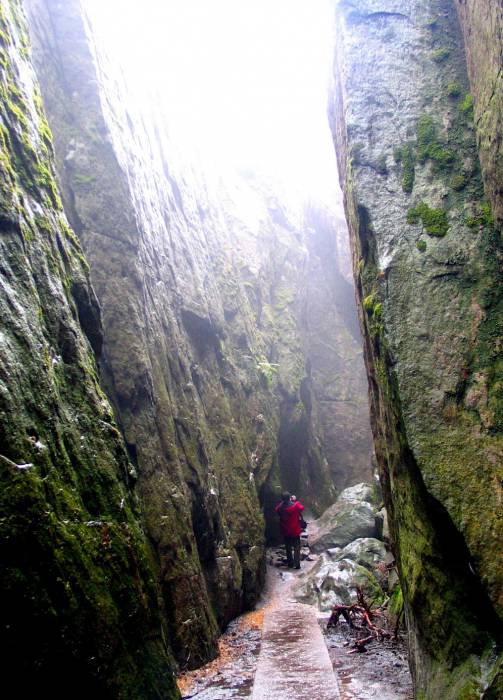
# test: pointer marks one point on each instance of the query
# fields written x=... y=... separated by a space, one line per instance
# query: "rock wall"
x=205 y=352
x=334 y=349
x=81 y=612
x=482 y=25
x=427 y=257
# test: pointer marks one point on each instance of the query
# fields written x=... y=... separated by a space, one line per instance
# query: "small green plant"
x=443 y=157
x=487 y=214
x=267 y=370
x=434 y=220
x=421 y=246
x=407 y=158
x=426 y=136
x=430 y=146
x=396 y=601
x=45 y=135
x=483 y=217
x=440 y=55
x=409 y=163
x=44 y=225
x=369 y=302
x=458 y=182
x=466 y=105
x=454 y=89
x=373 y=308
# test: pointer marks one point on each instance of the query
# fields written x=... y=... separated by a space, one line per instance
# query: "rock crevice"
x=205 y=353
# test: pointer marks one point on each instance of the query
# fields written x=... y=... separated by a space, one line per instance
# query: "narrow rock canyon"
x=182 y=341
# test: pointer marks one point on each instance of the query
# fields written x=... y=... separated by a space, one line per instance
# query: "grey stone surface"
x=342 y=523
x=425 y=242
x=366 y=551
x=214 y=374
x=359 y=492
x=294 y=663
x=77 y=584
x=482 y=25
x=334 y=582
x=338 y=572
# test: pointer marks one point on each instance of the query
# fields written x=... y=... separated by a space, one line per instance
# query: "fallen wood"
x=359 y=645
x=362 y=613
x=345 y=611
x=363 y=603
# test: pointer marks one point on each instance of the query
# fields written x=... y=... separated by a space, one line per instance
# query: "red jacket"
x=289 y=518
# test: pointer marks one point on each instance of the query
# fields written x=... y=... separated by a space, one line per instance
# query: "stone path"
x=294 y=660
x=278 y=652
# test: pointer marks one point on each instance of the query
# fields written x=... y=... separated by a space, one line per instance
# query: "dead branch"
x=359 y=612
x=359 y=645
x=346 y=611
x=363 y=603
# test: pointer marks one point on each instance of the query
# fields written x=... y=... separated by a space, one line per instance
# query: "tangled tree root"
x=359 y=616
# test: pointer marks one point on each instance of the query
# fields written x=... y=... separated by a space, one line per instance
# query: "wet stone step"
x=294 y=660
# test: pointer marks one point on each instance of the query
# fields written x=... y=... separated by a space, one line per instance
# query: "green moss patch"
x=434 y=221
x=440 y=55
x=369 y=302
x=431 y=146
x=481 y=218
x=454 y=89
x=458 y=182
x=407 y=158
x=466 y=106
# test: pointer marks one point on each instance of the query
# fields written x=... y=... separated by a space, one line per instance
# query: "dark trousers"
x=292 y=546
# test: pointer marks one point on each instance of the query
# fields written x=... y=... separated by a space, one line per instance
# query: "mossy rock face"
x=80 y=602
x=434 y=355
x=483 y=34
x=434 y=221
x=207 y=355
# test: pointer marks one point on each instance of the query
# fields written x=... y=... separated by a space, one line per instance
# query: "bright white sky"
x=244 y=82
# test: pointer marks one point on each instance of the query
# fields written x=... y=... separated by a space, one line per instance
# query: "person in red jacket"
x=289 y=510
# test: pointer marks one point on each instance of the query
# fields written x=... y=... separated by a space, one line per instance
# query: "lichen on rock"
x=207 y=358
x=432 y=356
x=78 y=589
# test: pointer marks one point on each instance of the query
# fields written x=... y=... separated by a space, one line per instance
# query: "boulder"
x=340 y=571
x=365 y=551
x=331 y=583
x=359 y=492
x=342 y=523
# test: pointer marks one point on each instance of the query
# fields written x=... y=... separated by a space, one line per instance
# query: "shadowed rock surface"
x=482 y=25
x=427 y=257
x=222 y=332
x=81 y=613
x=207 y=356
